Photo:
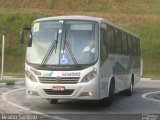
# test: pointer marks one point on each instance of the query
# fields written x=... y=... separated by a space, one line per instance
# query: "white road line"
x=4 y=97
x=151 y=99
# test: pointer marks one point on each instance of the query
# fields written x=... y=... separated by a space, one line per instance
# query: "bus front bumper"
x=83 y=91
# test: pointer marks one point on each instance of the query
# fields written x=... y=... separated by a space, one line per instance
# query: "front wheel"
x=108 y=101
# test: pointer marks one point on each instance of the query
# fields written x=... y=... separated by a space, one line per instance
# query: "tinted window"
x=103 y=45
x=138 y=46
x=125 y=43
x=135 y=52
x=130 y=45
x=118 y=39
x=110 y=35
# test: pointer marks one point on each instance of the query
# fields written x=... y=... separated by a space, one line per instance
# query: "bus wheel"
x=53 y=101
x=129 y=91
x=108 y=101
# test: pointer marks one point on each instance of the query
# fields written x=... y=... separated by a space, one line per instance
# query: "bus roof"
x=90 y=18
x=72 y=17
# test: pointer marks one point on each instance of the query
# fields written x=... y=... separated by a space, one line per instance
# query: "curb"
x=145 y=79
x=157 y=96
x=14 y=83
x=3 y=84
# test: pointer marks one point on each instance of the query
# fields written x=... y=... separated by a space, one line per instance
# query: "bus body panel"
x=81 y=90
x=119 y=67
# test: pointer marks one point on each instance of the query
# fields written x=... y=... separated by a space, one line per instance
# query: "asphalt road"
x=123 y=108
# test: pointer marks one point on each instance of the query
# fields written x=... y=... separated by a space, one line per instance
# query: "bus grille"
x=51 y=92
x=59 y=80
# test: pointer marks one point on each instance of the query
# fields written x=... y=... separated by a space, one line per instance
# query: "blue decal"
x=48 y=74
x=65 y=59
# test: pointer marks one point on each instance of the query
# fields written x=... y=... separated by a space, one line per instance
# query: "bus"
x=80 y=58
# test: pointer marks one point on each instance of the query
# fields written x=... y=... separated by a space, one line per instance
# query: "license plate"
x=58 y=88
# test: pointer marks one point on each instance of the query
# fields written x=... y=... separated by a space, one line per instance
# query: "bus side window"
x=130 y=46
x=138 y=47
x=111 y=40
x=118 y=38
x=103 y=45
x=135 y=52
x=125 y=43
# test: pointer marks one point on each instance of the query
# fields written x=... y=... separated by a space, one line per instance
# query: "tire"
x=129 y=91
x=53 y=101
x=109 y=100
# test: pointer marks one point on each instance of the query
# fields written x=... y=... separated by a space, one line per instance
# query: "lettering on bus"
x=71 y=74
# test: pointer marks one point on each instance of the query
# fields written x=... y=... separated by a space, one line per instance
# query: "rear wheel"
x=108 y=101
x=53 y=101
x=129 y=91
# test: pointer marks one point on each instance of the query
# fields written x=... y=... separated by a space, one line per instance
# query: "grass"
x=139 y=16
x=149 y=7
x=50 y=4
x=14 y=51
x=7 y=81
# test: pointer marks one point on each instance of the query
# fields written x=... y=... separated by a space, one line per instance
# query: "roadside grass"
x=7 y=81
x=15 y=52
x=152 y=76
x=50 y=4
x=20 y=74
x=148 y=31
x=151 y=7
x=145 y=26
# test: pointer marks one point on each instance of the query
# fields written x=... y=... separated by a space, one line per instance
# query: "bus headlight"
x=31 y=76
x=35 y=72
x=90 y=75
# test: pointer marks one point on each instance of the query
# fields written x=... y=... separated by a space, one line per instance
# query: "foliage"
x=139 y=16
x=50 y=4
x=7 y=81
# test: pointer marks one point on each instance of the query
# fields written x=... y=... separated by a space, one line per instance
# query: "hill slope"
x=139 y=16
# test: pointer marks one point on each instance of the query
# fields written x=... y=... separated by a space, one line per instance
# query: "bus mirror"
x=21 y=36
x=30 y=40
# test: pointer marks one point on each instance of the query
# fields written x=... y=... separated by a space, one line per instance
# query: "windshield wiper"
x=69 y=49
x=71 y=53
x=50 y=51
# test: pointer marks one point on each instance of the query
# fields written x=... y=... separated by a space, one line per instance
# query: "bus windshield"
x=63 y=42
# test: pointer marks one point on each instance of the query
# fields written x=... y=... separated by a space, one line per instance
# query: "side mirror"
x=21 y=36
x=30 y=40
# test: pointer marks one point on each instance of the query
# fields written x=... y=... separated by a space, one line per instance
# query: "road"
x=123 y=107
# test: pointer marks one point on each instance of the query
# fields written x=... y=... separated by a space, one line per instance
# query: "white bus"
x=80 y=57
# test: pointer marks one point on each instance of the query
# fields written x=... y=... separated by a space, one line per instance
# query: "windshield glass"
x=73 y=42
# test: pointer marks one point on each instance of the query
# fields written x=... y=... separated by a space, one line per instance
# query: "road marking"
x=4 y=97
x=151 y=99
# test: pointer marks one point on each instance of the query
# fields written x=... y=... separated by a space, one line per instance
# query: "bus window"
x=138 y=46
x=110 y=35
x=125 y=43
x=118 y=38
x=103 y=46
x=130 y=46
x=134 y=46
